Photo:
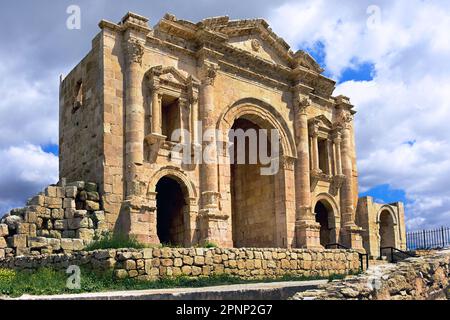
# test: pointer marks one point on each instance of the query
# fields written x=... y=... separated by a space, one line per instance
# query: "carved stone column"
x=351 y=233
x=156 y=110
x=337 y=152
x=314 y=132
x=307 y=230
x=134 y=114
x=215 y=226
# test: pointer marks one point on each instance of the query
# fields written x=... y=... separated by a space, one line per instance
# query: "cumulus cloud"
x=25 y=170
x=402 y=129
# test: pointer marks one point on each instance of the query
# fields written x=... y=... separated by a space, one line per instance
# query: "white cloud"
x=28 y=106
x=407 y=101
x=25 y=170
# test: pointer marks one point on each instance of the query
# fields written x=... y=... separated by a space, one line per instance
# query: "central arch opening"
x=252 y=194
x=170 y=205
x=323 y=214
x=387 y=235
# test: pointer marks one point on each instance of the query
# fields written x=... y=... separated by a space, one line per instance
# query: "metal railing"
x=428 y=239
x=362 y=256
x=395 y=254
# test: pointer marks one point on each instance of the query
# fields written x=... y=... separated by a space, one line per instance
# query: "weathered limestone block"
x=3 y=243
x=37 y=242
x=69 y=203
x=71 y=192
x=53 y=202
x=93 y=196
x=60 y=224
x=147 y=253
x=18 y=241
x=98 y=216
x=130 y=264
x=12 y=222
x=55 y=234
x=120 y=274
x=68 y=234
x=2 y=254
x=90 y=187
x=38 y=200
x=4 y=230
x=31 y=216
x=78 y=184
x=85 y=234
x=55 y=244
x=92 y=206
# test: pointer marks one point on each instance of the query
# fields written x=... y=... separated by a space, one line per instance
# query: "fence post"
x=443 y=237
x=424 y=240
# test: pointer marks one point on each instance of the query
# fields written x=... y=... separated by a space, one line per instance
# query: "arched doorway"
x=324 y=216
x=252 y=194
x=170 y=204
x=387 y=230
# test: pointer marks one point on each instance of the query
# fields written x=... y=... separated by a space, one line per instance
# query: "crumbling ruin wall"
x=63 y=218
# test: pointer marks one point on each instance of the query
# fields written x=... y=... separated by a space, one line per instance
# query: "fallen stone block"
x=4 y=230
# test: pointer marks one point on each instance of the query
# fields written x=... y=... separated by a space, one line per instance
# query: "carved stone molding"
x=316 y=176
x=336 y=184
x=155 y=142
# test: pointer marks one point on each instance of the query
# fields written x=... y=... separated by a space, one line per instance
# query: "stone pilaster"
x=307 y=230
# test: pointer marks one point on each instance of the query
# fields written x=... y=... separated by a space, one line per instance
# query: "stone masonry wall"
x=154 y=263
x=63 y=218
x=423 y=278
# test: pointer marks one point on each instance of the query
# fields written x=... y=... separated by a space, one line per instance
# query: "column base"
x=307 y=234
x=352 y=238
x=215 y=228
x=140 y=217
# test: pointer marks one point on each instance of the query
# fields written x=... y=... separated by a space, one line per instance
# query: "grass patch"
x=110 y=240
x=51 y=282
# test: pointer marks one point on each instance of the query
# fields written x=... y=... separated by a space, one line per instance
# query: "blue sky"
x=389 y=59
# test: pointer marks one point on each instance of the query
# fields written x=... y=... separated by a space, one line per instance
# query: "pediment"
x=169 y=74
x=322 y=122
x=258 y=47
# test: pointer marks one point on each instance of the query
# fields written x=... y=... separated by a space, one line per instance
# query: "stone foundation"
x=151 y=264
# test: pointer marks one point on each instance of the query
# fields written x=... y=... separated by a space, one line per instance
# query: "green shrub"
x=110 y=240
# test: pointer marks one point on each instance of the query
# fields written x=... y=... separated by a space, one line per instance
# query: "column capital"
x=313 y=129
x=208 y=73
x=344 y=120
x=301 y=104
x=135 y=50
x=337 y=136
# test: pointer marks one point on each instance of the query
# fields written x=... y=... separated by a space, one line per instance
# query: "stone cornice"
x=208 y=40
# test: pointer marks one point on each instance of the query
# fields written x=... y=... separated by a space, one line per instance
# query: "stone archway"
x=170 y=204
x=386 y=224
x=252 y=196
x=274 y=223
x=175 y=199
x=326 y=213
